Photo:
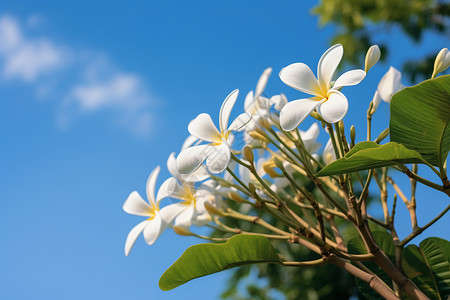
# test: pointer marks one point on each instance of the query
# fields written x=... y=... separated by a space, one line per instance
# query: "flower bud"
x=264 y=123
x=316 y=116
x=341 y=128
x=352 y=136
x=375 y=102
x=372 y=57
x=235 y=197
x=252 y=188
x=180 y=230
x=278 y=163
x=248 y=154
x=442 y=62
x=258 y=136
x=212 y=209
x=268 y=168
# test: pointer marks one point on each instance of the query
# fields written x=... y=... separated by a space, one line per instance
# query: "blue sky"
x=94 y=95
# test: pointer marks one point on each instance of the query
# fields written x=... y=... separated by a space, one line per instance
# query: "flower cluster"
x=275 y=154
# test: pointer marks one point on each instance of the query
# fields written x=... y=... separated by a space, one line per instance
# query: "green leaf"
x=370 y=155
x=420 y=119
x=204 y=259
x=356 y=246
x=429 y=267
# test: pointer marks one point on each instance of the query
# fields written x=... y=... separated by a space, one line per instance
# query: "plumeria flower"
x=191 y=211
x=331 y=104
x=309 y=138
x=217 y=152
x=390 y=84
x=255 y=104
x=157 y=219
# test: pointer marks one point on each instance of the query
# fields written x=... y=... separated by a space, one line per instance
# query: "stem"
x=373 y=281
x=312 y=263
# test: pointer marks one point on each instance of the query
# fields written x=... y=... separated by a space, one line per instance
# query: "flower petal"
x=154 y=228
x=262 y=82
x=219 y=159
x=189 y=141
x=300 y=77
x=168 y=213
x=166 y=189
x=184 y=219
x=198 y=175
x=390 y=84
x=279 y=101
x=172 y=165
x=204 y=128
x=190 y=159
x=151 y=186
x=135 y=205
x=249 y=102
x=239 y=123
x=327 y=66
x=311 y=134
x=133 y=235
x=295 y=112
x=335 y=108
x=349 y=78
x=225 y=110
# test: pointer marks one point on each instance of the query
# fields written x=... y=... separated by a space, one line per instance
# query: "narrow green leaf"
x=420 y=117
x=356 y=246
x=205 y=259
x=429 y=266
x=370 y=155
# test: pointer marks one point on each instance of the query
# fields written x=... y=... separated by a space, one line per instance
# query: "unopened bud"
x=264 y=123
x=235 y=197
x=248 y=154
x=212 y=209
x=375 y=102
x=258 y=136
x=372 y=57
x=341 y=128
x=252 y=188
x=278 y=163
x=442 y=62
x=352 y=136
x=268 y=168
x=180 y=230
x=316 y=116
x=223 y=182
x=382 y=136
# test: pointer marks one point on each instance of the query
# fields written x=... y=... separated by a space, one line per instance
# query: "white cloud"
x=95 y=83
x=26 y=59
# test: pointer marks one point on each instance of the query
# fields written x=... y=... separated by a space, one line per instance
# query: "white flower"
x=157 y=219
x=372 y=57
x=191 y=211
x=332 y=105
x=217 y=152
x=390 y=84
x=442 y=62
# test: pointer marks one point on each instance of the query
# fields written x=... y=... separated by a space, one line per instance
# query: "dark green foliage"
x=359 y=23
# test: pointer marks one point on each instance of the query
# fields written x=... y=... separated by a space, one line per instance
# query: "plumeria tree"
x=276 y=191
